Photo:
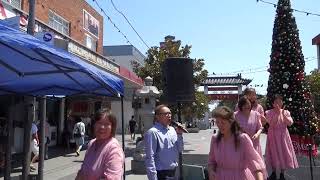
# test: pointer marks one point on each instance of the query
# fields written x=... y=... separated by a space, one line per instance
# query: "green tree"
x=287 y=76
x=152 y=67
x=314 y=81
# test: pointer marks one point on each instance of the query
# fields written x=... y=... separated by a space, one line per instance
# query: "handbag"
x=77 y=134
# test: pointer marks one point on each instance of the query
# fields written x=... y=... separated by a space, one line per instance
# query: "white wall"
x=123 y=61
x=128 y=112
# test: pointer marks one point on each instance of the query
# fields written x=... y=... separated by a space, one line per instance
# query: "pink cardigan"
x=104 y=162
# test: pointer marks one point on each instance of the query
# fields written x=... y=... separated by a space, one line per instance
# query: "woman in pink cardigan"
x=231 y=152
x=104 y=158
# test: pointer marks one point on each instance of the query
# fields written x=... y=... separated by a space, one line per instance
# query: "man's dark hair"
x=77 y=119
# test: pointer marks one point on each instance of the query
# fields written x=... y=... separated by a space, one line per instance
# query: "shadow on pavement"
x=195 y=159
x=129 y=151
x=187 y=150
x=128 y=172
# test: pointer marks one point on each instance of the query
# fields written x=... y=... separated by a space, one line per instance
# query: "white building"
x=124 y=55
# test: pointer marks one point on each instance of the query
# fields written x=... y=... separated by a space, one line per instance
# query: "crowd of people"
x=235 y=152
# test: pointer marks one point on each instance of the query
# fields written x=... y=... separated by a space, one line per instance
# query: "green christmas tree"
x=287 y=76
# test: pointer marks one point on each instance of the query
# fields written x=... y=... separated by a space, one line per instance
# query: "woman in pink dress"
x=231 y=152
x=280 y=154
x=249 y=122
x=252 y=96
x=104 y=157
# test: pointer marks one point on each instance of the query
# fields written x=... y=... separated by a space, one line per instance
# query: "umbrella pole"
x=180 y=153
x=42 y=136
x=9 y=141
x=123 y=145
x=30 y=102
x=27 y=128
x=31 y=19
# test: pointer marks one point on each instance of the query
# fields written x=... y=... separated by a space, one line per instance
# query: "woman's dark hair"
x=247 y=91
x=242 y=102
x=226 y=113
x=106 y=114
x=276 y=96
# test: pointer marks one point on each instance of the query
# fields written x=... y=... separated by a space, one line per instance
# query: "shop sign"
x=93 y=58
x=5 y=13
x=46 y=37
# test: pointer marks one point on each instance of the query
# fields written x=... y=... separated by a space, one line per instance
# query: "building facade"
x=78 y=28
x=316 y=41
x=125 y=55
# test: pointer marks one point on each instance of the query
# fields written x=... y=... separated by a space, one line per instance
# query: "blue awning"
x=30 y=67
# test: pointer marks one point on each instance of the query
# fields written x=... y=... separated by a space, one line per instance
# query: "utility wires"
x=144 y=42
x=296 y=10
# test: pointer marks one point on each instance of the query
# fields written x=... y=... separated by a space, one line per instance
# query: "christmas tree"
x=287 y=76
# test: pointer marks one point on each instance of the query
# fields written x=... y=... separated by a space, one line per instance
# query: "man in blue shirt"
x=162 y=145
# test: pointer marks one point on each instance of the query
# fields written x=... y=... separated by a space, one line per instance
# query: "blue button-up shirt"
x=162 y=147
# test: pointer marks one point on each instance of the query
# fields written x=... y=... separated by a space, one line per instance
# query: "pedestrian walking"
x=132 y=128
x=249 y=122
x=47 y=137
x=104 y=158
x=79 y=131
x=34 y=145
x=231 y=152
x=162 y=146
x=280 y=154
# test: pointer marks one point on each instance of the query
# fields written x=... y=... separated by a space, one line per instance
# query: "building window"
x=58 y=23
x=90 y=42
x=90 y=24
x=14 y=3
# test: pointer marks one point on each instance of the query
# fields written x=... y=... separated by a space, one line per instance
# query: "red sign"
x=2 y=12
x=223 y=96
x=126 y=73
x=301 y=145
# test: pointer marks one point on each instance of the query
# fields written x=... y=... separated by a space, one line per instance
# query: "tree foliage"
x=314 y=81
x=152 y=67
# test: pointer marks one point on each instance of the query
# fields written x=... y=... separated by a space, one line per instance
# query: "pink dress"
x=250 y=126
x=105 y=162
x=258 y=108
x=279 y=150
x=234 y=164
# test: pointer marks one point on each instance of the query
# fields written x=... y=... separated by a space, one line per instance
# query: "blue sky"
x=231 y=35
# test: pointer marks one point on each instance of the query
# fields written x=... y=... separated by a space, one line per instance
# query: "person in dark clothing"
x=132 y=127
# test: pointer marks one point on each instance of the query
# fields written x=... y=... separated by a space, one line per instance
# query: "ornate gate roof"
x=225 y=81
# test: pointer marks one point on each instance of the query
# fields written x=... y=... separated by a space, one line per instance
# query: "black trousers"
x=166 y=174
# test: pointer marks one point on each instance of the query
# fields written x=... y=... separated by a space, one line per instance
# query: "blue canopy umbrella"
x=30 y=67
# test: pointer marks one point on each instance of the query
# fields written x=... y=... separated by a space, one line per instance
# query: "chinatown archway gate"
x=223 y=88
